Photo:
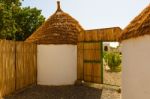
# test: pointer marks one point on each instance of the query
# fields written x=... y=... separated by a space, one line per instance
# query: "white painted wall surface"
x=57 y=64
x=136 y=68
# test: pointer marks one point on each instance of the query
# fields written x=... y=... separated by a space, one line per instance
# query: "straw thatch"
x=105 y=34
x=60 y=28
x=139 y=26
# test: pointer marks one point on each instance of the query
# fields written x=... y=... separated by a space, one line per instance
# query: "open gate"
x=89 y=68
x=89 y=62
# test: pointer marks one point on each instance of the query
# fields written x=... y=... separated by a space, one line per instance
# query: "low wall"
x=57 y=64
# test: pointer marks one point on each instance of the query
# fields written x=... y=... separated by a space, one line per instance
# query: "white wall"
x=57 y=64
x=136 y=68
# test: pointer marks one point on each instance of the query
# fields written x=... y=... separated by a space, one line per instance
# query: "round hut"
x=57 y=49
x=136 y=57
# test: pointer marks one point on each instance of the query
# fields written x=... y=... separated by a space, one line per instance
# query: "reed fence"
x=18 y=66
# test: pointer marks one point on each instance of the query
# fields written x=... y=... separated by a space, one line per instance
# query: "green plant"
x=17 y=22
x=113 y=60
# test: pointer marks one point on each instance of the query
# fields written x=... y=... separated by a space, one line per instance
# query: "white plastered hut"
x=135 y=41
x=57 y=49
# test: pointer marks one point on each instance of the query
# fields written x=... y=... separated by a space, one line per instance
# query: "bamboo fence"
x=17 y=66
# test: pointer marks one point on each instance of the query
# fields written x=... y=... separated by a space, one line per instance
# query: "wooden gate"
x=89 y=68
x=89 y=62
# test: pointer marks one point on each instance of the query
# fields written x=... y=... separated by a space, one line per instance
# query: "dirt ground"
x=108 y=91
x=58 y=92
x=110 y=94
x=112 y=78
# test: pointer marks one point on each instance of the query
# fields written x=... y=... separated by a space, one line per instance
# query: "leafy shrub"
x=113 y=60
x=105 y=55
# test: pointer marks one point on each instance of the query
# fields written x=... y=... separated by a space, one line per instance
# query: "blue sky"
x=93 y=14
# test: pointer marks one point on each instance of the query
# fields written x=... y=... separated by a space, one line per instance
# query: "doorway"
x=111 y=64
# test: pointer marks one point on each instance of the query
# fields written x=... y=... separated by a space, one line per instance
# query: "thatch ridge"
x=60 y=28
x=139 y=26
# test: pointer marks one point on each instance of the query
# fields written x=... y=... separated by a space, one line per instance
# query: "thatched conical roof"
x=60 y=28
x=139 y=26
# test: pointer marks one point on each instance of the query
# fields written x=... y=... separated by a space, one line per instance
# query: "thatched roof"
x=139 y=26
x=60 y=28
x=104 y=34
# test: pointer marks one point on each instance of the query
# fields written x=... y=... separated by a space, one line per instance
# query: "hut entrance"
x=111 y=63
x=89 y=62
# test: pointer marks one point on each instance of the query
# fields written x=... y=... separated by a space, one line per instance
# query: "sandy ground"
x=110 y=92
x=112 y=78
